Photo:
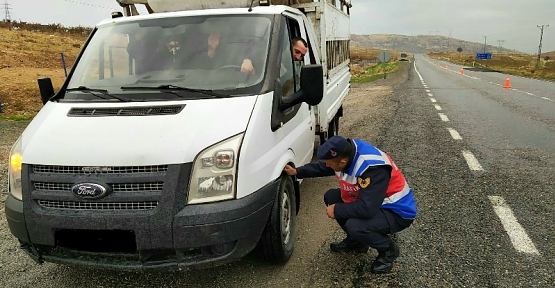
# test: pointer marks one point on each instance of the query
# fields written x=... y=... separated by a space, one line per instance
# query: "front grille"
x=127 y=111
x=116 y=187
x=72 y=205
x=98 y=169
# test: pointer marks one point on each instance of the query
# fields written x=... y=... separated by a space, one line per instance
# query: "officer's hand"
x=330 y=210
x=290 y=170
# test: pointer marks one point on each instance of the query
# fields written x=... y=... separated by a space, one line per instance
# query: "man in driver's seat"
x=211 y=56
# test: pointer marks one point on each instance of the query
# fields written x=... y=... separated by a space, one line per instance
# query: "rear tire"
x=277 y=241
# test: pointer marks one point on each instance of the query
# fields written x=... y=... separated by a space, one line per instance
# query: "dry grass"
x=26 y=56
x=515 y=64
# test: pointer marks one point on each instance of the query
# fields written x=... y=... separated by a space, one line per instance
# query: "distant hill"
x=550 y=54
x=421 y=44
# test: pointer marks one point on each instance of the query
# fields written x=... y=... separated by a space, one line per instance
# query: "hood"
x=54 y=138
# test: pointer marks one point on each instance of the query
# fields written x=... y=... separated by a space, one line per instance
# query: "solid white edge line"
x=454 y=134
x=520 y=240
x=443 y=117
x=472 y=162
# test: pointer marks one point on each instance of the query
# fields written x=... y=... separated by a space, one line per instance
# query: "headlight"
x=214 y=172
x=14 y=170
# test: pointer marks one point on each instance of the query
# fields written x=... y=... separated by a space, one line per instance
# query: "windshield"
x=203 y=53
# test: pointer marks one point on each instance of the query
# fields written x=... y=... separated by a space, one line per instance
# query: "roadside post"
x=384 y=58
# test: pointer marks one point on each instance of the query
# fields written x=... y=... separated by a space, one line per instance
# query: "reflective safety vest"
x=399 y=196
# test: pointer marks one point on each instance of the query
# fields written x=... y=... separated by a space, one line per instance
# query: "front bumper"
x=169 y=236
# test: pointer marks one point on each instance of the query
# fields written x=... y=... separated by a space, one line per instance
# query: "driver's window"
x=286 y=73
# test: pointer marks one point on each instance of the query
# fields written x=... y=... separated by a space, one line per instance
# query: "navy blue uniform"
x=363 y=220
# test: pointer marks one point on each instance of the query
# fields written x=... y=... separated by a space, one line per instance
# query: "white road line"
x=430 y=94
x=443 y=117
x=529 y=93
x=472 y=162
x=433 y=100
x=426 y=86
x=437 y=107
x=428 y=91
x=517 y=234
x=415 y=69
x=545 y=98
x=454 y=134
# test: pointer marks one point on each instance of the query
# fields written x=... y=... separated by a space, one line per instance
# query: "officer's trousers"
x=374 y=231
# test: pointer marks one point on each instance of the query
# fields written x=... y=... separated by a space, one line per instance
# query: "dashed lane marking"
x=443 y=117
x=472 y=162
x=520 y=240
x=454 y=134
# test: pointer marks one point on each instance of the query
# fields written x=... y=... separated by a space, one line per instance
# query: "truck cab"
x=161 y=150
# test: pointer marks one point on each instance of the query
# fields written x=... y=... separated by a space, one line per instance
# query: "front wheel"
x=278 y=239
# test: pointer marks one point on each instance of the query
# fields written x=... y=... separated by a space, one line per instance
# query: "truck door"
x=297 y=121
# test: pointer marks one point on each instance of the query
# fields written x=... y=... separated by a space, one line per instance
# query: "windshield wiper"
x=178 y=88
x=102 y=91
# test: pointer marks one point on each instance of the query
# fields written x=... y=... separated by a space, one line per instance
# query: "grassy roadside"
x=513 y=64
x=376 y=72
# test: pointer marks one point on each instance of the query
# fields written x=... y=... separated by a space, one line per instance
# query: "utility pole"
x=7 y=17
x=500 y=44
x=449 y=40
x=540 y=48
x=485 y=42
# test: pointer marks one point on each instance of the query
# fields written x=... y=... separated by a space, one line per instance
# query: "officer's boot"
x=348 y=245
x=385 y=259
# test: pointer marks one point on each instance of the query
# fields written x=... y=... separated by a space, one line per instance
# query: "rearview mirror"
x=312 y=88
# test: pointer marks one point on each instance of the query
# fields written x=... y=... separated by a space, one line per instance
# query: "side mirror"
x=46 y=89
x=312 y=88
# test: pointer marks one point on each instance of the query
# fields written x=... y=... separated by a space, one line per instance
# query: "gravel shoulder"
x=368 y=110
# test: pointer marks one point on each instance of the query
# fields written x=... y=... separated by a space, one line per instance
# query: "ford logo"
x=89 y=190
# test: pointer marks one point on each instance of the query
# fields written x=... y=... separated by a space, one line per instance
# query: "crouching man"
x=373 y=201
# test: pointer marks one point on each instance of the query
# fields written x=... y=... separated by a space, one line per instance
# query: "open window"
x=289 y=72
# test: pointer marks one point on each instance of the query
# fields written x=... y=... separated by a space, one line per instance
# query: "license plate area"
x=112 y=241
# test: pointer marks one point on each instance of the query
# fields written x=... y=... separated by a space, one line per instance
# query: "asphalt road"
x=508 y=136
x=482 y=171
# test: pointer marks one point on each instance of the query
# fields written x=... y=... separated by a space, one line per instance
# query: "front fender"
x=288 y=159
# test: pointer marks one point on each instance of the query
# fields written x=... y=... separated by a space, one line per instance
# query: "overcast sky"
x=514 y=21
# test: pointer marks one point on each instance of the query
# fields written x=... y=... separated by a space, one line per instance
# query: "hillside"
x=421 y=43
x=26 y=56
x=550 y=54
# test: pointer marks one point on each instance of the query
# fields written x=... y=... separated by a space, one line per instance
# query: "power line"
x=87 y=4
x=501 y=43
x=7 y=17
x=540 y=48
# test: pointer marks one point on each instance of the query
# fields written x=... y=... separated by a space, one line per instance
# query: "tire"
x=277 y=241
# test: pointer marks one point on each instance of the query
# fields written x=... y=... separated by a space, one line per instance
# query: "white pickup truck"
x=146 y=158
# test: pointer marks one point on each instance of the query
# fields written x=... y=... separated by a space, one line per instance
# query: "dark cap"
x=333 y=147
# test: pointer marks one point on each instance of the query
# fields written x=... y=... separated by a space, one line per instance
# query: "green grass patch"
x=17 y=118
x=376 y=72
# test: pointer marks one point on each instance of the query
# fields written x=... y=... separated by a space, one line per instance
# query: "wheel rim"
x=285 y=218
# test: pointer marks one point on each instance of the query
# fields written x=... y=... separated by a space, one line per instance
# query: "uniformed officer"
x=373 y=201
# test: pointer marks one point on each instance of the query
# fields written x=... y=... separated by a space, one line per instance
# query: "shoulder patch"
x=363 y=183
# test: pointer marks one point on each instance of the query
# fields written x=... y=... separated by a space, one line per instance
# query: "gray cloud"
x=511 y=20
